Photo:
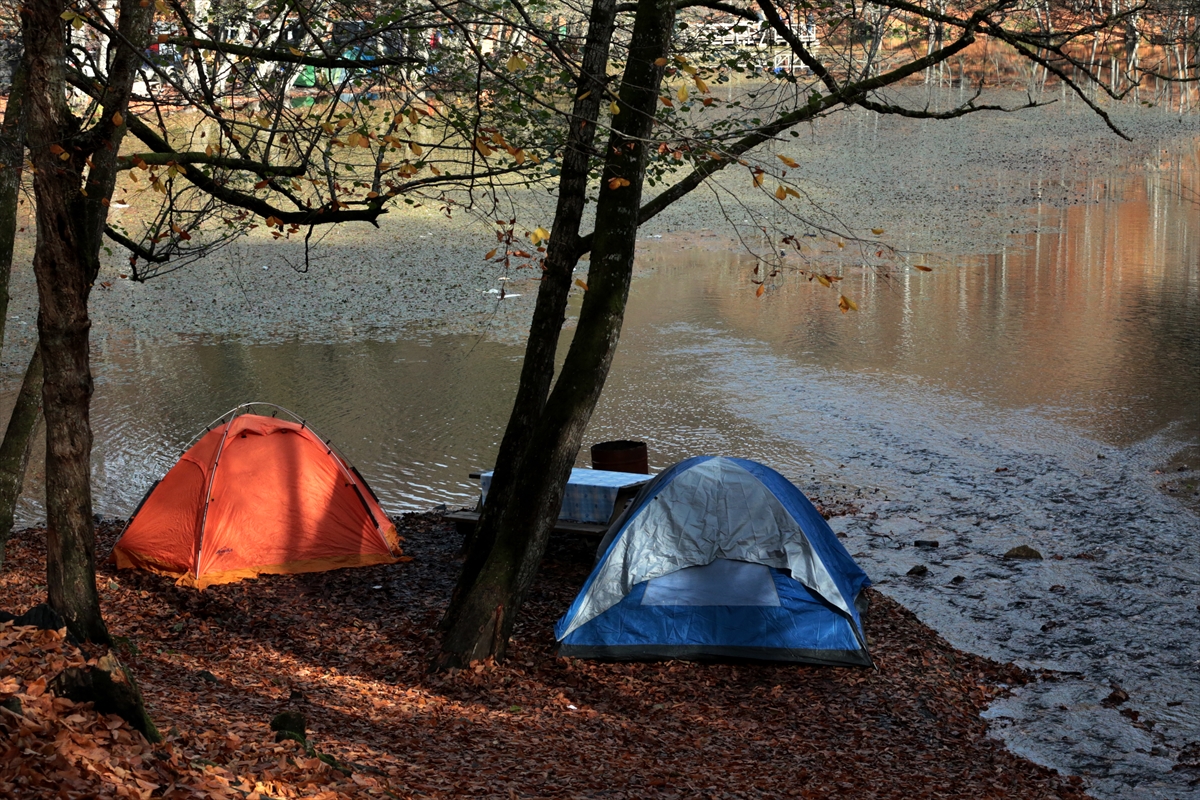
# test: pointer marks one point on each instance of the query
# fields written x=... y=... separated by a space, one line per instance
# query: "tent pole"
x=208 y=492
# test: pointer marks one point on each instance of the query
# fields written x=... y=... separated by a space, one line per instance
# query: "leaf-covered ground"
x=350 y=649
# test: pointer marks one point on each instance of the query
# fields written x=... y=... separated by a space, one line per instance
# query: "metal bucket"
x=621 y=456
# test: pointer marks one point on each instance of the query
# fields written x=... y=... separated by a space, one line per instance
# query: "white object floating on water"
x=265 y=266
x=119 y=204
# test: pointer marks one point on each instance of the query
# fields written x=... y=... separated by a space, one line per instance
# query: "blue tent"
x=719 y=557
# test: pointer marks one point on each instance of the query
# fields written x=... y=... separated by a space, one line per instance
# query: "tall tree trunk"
x=75 y=172
x=482 y=614
x=14 y=451
x=18 y=442
x=562 y=254
x=12 y=157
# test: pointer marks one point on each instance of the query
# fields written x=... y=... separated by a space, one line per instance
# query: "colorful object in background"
x=257 y=495
x=719 y=557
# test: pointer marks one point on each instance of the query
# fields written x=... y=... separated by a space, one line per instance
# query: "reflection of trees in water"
x=1150 y=74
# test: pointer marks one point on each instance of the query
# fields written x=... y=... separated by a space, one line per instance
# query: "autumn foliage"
x=350 y=650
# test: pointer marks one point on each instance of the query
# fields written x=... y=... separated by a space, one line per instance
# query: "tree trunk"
x=562 y=254
x=72 y=206
x=18 y=441
x=481 y=616
x=14 y=451
x=12 y=157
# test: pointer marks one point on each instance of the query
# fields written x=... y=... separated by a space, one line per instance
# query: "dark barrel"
x=621 y=456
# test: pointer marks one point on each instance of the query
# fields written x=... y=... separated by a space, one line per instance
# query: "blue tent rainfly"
x=719 y=557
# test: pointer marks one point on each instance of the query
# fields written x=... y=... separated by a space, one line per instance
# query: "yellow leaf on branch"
x=846 y=304
x=780 y=193
x=790 y=162
x=580 y=283
x=515 y=63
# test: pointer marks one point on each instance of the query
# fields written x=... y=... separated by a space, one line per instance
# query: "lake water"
x=1027 y=396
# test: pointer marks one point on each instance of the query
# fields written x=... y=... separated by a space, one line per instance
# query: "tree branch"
x=135 y=248
x=332 y=212
x=189 y=157
x=853 y=94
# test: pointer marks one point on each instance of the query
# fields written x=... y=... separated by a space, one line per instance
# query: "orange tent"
x=257 y=494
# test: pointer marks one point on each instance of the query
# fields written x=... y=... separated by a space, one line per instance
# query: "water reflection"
x=1090 y=322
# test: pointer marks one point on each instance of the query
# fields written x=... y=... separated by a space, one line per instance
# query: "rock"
x=919 y=571
x=957 y=579
x=111 y=688
x=13 y=704
x=289 y=725
x=205 y=675
x=926 y=543
x=1025 y=552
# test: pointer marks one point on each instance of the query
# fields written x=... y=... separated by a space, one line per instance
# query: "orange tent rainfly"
x=257 y=494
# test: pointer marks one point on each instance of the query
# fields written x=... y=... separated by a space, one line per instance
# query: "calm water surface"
x=1020 y=397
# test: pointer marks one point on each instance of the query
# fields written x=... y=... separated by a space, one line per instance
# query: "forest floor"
x=350 y=649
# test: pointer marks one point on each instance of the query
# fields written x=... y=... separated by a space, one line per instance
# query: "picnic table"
x=592 y=500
